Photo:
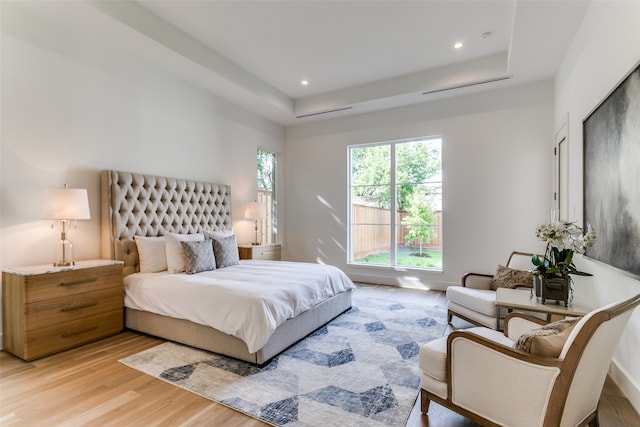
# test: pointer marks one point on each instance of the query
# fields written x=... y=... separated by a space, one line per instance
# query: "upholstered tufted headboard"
x=146 y=205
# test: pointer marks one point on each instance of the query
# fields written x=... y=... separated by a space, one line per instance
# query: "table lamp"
x=257 y=212
x=66 y=205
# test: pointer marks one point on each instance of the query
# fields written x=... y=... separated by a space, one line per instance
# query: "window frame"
x=393 y=224
x=271 y=221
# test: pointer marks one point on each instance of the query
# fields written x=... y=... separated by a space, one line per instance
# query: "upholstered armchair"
x=478 y=373
x=475 y=300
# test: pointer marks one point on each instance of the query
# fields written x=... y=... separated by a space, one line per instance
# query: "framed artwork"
x=611 y=136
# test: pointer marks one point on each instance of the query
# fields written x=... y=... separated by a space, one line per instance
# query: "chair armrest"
x=477 y=280
x=500 y=348
x=516 y=324
x=484 y=375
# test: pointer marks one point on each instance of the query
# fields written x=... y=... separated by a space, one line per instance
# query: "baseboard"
x=412 y=283
x=626 y=384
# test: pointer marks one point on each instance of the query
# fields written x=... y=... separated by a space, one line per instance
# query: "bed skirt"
x=207 y=338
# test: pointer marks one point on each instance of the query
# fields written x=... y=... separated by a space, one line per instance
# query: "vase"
x=551 y=288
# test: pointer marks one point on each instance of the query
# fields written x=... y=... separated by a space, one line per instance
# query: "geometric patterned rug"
x=361 y=369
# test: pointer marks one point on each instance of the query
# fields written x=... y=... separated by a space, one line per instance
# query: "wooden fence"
x=265 y=226
x=371 y=226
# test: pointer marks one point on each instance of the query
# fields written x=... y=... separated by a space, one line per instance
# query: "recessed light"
x=304 y=82
x=457 y=45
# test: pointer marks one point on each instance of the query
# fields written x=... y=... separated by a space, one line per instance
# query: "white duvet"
x=248 y=301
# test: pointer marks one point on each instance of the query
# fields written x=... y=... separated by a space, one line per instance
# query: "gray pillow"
x=198 y=256
x=225 y=250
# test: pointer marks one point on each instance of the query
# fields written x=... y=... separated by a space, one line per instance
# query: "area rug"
x=361 y=369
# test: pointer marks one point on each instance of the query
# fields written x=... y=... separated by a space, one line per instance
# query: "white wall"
x=72 y=107
x=497 y=173
x=604 y=50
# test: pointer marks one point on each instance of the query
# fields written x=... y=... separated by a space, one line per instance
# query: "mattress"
x=248 y=301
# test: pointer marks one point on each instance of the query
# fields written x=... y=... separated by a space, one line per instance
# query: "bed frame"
x=147 y=205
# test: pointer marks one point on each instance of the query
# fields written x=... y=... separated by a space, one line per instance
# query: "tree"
x=266 y=164
x=371 y=173
x=421 y=217
x=416 y=163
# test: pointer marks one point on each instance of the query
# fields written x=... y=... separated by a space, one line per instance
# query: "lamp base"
x=63 y=263
x=64 y=252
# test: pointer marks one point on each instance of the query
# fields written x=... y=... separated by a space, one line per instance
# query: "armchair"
x=475 y=301
x=477 y=372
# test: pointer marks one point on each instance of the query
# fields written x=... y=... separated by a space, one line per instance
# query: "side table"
x=521 y=299
x=264 y=252
x=48 y=309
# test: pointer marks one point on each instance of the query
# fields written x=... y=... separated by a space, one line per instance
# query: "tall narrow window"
x=267 y=195
x=396 y=204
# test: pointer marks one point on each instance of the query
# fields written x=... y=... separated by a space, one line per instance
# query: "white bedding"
x=248 y=301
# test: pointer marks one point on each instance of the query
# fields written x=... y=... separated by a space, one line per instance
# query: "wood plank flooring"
x=87 y=386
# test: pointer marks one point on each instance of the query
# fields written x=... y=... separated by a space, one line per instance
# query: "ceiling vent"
x=323 y=112
x=460 y=86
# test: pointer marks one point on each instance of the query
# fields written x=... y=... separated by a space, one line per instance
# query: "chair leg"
x=424 y=402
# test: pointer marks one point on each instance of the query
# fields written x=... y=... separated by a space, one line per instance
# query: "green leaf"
x=568 y=258
x=581 y=273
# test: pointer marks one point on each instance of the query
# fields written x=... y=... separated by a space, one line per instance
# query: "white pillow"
x=218 y=234
x=152 y=254
x=173 y=248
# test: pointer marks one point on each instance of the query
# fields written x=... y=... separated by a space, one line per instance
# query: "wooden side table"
x=265 y=252
x=48 y=309
x=521 y=299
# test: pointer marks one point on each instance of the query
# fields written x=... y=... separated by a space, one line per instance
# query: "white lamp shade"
x=67 y=203
x=255 y=210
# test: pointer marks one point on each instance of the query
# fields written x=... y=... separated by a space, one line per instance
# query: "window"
x=267 y=195
x=395 y=190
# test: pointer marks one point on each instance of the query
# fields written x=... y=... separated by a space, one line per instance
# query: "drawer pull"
x=78 y=332
x=266 y=253
x=79 y=282
x=79 y=306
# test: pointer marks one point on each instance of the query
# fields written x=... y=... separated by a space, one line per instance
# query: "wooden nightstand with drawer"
x=265 y=252
x=48 y=309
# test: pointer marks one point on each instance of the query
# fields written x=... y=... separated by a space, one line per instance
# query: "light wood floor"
x=87 y=386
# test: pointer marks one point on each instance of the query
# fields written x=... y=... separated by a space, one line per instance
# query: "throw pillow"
x=198 y=256
x=547 y=340
x=175 y=254
x=225 y=250
x=151 y=253
x=506 y=277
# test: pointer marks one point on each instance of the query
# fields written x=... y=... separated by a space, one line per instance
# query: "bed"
x=150 y=206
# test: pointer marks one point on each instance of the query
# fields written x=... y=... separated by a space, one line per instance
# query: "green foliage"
x=266 y=170
x=421 y=217
x=406 y=257
x=416 y=163
x=371 y=173
x=556 y=262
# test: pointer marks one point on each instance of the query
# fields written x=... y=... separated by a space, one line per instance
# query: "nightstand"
x=265 y=252
x=48 y=309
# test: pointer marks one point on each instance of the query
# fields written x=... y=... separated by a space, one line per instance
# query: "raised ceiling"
x=357 y=56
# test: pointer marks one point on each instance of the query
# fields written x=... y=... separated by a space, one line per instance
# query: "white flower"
x=564 y=235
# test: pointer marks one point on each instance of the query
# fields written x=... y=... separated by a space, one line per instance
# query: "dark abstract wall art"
x=611 y=136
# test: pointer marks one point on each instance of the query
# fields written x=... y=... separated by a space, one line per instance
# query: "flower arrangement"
x=563 y=239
